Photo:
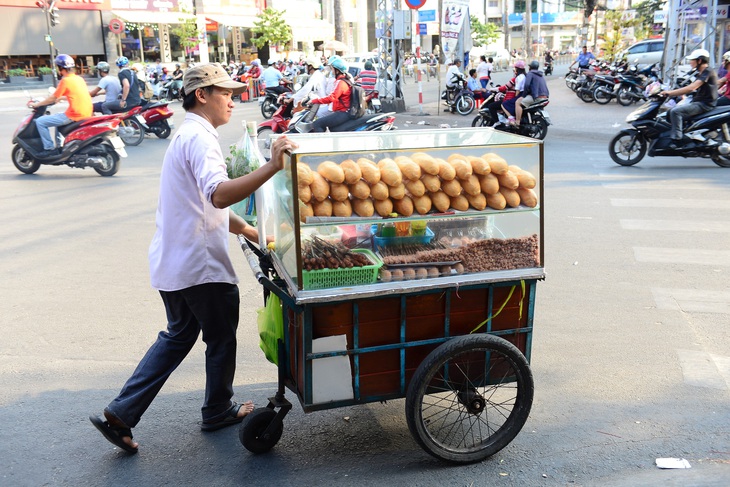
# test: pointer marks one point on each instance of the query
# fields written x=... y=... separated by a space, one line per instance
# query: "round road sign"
x=415 y=4
x=116 y=26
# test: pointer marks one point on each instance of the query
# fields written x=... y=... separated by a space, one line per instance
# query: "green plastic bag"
x=271 y=328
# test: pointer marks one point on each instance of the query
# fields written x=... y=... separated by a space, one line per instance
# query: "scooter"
x=91 y=142
x=534 y=123
x=171 y=90
x=157 y=119
x=459 y=98
x=548 y=68
x=269 y=102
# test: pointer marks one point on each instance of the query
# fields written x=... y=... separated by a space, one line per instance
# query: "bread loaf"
x=446 y=170
x=431 y=182
x=363 y=207
x=384 y=207
x=305 y=211
x=322 y=208
x=320 y=187
x=415 y=188
x=428 y=164
x=352 y=171
x=342 y=208
x=510 y=196
x=331 y=172
x=479 y=165
x=460 y=203
x=379 y=191
x=403 y=206
x=461 y=166
x=410 y=169
x=390 y=173
x=360 y=189
x=397 y=192
x=305 y=193
x=489 y=183
x=508 y=180
x=527 y=197
x=477 y=201
x=496 y=201
x=471 y=185
x=497 y=165
x=451 y=188
x=370 y=171
x=440 y=200
x=339 y=192
x=304 y=174
x=422 y=204
x=525 y=178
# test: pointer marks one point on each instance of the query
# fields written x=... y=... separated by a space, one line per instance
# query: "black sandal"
x=115 y=434
x=229 y=418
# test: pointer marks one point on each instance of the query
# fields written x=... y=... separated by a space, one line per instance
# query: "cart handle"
x=253 y=254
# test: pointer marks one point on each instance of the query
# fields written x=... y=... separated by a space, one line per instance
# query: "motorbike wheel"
x=268 y=108
x=111 y=165
x=601 y=95
x=465 y=105
x=624 y=97
x=263 y=140
x=482 y=120
x=165 y=131
x=131 y=131
x=538 y=129
x=23 y=162
x=569 y=78
x=586 y=95
x=627 y=148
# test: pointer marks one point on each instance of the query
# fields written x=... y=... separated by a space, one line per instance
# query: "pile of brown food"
x=320 y=254
x=418 y=183
x=413 y=254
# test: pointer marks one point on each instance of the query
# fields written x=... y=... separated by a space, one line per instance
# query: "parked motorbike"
x=706 y=135
x=459 y=98
x=92 y=142
x=534 y=123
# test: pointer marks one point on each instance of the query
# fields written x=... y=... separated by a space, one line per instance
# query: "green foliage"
x=270 y=29
x=645 y=12
x=16 y=72
x=45 y=70
x=615 y=24
x=187 y=32
x=483 y=34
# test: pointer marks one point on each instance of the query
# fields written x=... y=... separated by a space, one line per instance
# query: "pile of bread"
x=418 y=183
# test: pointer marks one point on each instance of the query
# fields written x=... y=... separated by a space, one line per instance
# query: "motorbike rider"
x=453 y=74
x=722 y=84
x=548 y=61
x=72 y=87
x=315 y=85
x=272 y=77
x=704 y=82
x=255 y=71
x=535 y=89
x=241 y=69
x=368 y=77
x=109 y=85
x=508 y=106
x=130 y=87
x=340 y=97
x=177 y=79
x=505 y=92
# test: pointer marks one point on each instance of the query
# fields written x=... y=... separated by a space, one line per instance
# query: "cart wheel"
x=469 y=398
x=251 y=432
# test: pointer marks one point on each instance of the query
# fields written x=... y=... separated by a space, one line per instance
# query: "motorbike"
x=548 y=68
x=91 y=142
x=269 y=102
x=706 y=135
x=459 y=98
x=171 y=90
x=534 y=123
x=156 y=119
x=373 y=100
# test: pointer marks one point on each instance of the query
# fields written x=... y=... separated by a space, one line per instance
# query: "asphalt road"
x=630 y=349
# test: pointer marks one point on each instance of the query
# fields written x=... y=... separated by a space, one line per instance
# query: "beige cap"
x=211 y=74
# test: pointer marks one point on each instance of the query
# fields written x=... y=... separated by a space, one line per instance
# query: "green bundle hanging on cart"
x=271 y=328
x=244 y=159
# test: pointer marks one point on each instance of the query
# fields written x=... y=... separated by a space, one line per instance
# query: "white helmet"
x=699 y=54
x=726 y=57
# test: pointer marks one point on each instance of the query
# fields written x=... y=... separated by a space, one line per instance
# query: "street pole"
x=47 y=8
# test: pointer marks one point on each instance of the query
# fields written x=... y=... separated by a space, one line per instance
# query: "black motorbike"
x=459 y=98
x=705 y=135
x=534 y=123
x=171 y=90
x=548 y=68
x=270 y=101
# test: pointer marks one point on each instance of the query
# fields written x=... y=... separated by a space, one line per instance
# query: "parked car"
x=645 y=53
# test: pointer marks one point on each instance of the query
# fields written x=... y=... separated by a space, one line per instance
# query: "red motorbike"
x=91 y=142
x=157 y=119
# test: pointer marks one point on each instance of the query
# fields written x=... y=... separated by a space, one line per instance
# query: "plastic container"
x=325 y=278
x=411 y=239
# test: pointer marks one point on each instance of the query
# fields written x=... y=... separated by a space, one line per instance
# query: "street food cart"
x=431 y=301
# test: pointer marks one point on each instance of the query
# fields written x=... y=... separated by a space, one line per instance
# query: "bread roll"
x=360 y=189
x=342 y=208
x=428 y=164
x=339 y=192
x=451 y=188
x=410 y=169
x=304 y=174
x=489 y=183
x=441 y=201
x=415 y=188
x=471 y=185
x=370 y=171
x=511 y=197
x=460 y=203
x=404 y=206
x=363 y=207
x=508 y=180
x=397 y=192
x=479 y=165
x=463 y=169
x=496 y=201
x=496 y=163
x=431 y=182
x=525 y=178
x=422 y=204
x=446 y=170
x=379 y=191
x=477 y=201
x=305 y=193
x=527 y=197
x=322 y=208
x=320 y=187
x=305 y=211
x=383 y=207
x=390 y=173
x=331 y=172
x=352 y=171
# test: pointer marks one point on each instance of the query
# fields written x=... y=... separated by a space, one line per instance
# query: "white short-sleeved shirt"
x=190 y=246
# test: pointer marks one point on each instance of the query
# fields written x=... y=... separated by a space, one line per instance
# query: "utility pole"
x=505 y=24
x=50 y=11
x=528 y=29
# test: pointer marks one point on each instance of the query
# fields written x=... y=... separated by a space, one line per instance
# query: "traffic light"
x=54 y=16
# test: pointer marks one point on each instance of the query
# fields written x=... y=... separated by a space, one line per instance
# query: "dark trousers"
x=494 y=108
x=211 y=308
x=330 y=121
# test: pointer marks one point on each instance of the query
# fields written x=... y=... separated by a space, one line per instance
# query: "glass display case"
x=378 y=212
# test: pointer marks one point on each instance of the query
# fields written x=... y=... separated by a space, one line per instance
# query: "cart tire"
x=253 y=427
x=469 y=398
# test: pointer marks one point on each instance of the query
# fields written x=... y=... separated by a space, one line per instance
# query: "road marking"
x=670 y=203
x=701 y=370
x=676 y=225
x=682 y=256
x=667 y=185
x=692 y=300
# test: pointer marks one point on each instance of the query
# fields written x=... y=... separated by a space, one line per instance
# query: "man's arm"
x=94 y=91
x=125 y=92
x=683 y=91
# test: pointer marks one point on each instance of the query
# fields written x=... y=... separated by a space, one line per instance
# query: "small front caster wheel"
x=252 y=432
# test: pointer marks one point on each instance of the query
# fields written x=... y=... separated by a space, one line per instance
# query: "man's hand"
x=278 y=148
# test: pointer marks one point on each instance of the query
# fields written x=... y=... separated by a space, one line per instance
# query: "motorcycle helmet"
x=699 y=54
x=122 y=61
x=633 y=69
x=103 y=66
x=520 y=64
x=534 y=66
x=314 y=62
x=337 y=63
x=726 y=57
x=64 y=61
x=177 y=65
x=255 y=62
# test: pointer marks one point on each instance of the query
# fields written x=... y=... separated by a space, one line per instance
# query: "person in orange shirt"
x=79 y=103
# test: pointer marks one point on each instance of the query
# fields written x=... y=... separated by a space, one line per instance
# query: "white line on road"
x=677 y=225
x=682 y=256
x=692 y=300
x=667 y=185
x=700 y=370
x=670 y=203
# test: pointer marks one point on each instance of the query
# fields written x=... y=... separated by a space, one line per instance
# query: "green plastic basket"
x=324 y=278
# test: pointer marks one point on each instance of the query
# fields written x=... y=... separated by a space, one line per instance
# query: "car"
x=645 y=53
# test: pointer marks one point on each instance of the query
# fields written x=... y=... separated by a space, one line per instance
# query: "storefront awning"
x=232 y=20
x=148 y=17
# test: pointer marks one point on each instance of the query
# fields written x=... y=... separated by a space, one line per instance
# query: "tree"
x=615 y=25
x=271 y=29
x=645 y=13
x=187 y=32
x=482 y=34
x=339 y=21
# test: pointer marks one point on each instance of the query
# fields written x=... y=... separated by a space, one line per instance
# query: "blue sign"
x=416 y=4
x=426 y=15
x=422 y=29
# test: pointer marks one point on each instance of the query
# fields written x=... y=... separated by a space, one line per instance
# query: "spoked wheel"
x=165 y=131
x=569 y=78
x=23 y=161
x=264 y=141
x=252 y=432
x=624 y=97
x=268 y=108
x=482 y=120
x=110 y=166
x=538 y=129
x=601 y=95
x=465 y=105
x=586 y=95
x=717 y=158
x=469 y=398
x=627 y=148
x=131 y=131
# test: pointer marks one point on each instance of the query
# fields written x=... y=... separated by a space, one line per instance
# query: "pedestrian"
x=189 y=261
x=584 y=59
x=110 y=86
x=484 y=70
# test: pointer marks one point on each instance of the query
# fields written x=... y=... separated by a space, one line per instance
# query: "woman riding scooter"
x=340 y=98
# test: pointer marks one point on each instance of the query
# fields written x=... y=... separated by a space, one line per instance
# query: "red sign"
x=415 y=4
x=116 y=26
